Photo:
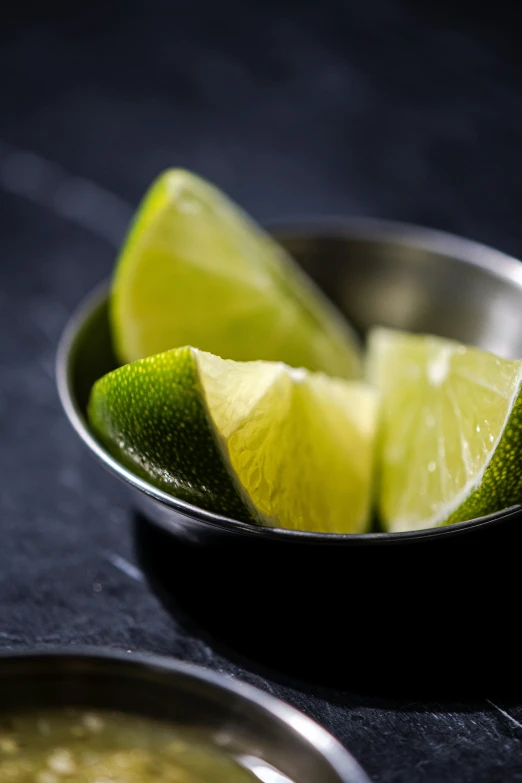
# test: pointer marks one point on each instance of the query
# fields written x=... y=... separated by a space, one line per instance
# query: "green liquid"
x=74 y=746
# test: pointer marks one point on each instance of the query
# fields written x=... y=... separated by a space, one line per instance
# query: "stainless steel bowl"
x=437 y=589
x=262 y=732
x=378 y=273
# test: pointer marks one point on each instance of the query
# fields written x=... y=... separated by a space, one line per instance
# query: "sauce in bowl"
x=74 y=746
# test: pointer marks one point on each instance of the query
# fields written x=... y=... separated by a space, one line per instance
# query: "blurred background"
x=393 y=108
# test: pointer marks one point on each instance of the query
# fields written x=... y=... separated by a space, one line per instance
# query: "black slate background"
x=379 y=108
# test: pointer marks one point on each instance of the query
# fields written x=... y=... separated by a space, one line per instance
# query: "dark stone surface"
x=294 y=107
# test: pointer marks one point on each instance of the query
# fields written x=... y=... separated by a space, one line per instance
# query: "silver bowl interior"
x=378 y=274
x=256 y=725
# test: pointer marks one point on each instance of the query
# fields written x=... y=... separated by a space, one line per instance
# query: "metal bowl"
x=262 y=732
x=445 y=589
x=378 y=273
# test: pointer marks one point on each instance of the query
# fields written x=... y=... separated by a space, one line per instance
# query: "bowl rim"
x=309 y=731
x=465 y=251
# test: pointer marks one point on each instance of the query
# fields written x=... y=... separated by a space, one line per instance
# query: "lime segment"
x=195 y=270
x=256 y=441
x=450 y=441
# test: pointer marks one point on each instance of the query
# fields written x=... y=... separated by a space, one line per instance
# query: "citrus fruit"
x=256 y=441
x=450 y=435
x=195 y=270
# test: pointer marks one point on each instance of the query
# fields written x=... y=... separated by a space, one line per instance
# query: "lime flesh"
x=195 y=270
x=450 y=435
x=256 y=441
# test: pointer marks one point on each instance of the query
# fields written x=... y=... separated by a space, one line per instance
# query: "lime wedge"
x=256 y=441
x=450 y=440
x=195 y=270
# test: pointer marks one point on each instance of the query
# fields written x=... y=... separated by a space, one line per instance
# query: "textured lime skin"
x=157 y=426
x=501 y=485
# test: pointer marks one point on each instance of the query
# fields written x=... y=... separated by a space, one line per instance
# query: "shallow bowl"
x=262 y=732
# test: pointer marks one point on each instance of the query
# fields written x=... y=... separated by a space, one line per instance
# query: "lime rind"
x=161 y=431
